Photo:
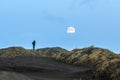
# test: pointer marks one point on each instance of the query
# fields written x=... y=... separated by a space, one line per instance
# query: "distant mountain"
x=106 y=64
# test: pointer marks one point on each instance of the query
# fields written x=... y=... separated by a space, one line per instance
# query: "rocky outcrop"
x=106 y=63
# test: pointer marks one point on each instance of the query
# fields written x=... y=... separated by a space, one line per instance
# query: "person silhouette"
x=33 y=43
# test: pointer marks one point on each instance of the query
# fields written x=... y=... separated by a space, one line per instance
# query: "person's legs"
x=33 y=47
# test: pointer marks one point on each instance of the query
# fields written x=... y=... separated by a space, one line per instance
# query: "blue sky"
x=97 y=22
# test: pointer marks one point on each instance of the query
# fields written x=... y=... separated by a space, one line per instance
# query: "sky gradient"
x=97 y=22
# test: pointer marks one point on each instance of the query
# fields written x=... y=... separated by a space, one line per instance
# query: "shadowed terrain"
x=17 y=63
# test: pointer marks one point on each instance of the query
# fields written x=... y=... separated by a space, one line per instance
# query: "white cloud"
x=71 y=30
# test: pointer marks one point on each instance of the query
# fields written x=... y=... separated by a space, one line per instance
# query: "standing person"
x=34 y=43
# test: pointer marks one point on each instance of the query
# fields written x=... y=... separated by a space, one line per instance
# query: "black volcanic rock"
x=4 y=75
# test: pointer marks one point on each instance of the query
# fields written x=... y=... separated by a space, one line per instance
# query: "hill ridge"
x=103 y=60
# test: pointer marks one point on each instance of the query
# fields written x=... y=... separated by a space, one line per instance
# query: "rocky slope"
x=14 y=51
x=104 y=63
x=19 y=51
x=49 y=52
x=107 y=63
